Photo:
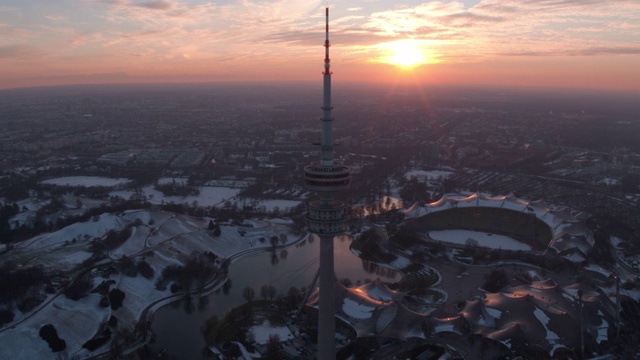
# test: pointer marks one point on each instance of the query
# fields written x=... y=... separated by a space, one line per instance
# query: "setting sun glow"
x=406 y=53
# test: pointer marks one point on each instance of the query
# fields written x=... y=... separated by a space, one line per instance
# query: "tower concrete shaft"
x=326 y=302
x=326 y=215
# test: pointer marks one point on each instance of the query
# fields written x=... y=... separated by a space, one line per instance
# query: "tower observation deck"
x=326 y=215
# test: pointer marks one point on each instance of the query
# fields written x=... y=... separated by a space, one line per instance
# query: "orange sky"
x=561 y=43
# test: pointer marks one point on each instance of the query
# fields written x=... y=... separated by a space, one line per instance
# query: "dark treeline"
x=42 y=223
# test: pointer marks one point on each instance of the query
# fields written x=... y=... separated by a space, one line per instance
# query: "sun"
x=405 y=53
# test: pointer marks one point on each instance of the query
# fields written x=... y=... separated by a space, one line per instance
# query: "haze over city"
x=563 y=43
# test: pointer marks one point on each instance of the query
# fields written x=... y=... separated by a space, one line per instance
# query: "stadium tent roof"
x=568 y=228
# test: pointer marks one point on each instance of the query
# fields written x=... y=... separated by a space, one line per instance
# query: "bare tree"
x=273 y=347
x=248 y=293
x=268 y=292
x=274 y=241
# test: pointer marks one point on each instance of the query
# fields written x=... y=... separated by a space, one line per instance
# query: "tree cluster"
x=415 y=190
x=21 y=286
x=496 y=280
x=268 y=292
x=248 y=293
x=14 y=187
x=116 y=297
x=198 y=269
x=177 y=189
x=7 y=211
x=80 y=287
x=49 y=334
x=112 y=240
x=368 y=243
x=214 y=228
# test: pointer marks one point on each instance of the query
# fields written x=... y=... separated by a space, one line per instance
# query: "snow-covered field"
x=427 y=174
x=488 y=240
x=86 y=181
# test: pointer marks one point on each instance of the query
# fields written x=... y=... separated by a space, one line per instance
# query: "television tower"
x=326 y=215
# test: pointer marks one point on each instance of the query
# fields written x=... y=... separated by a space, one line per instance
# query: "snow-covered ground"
x=209 y=196
x=86 y=181
x=261 y=332
x=65 y=248
x=609 y=181
x=168 y=180
x=28 y=208
x=93 y=228
x=171 y=238
x=269 y=205
x=75 y=322
x=488 y=240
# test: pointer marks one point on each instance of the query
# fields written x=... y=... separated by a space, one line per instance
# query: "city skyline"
x=563 y=43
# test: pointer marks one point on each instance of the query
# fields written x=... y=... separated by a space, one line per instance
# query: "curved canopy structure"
x=569 y=232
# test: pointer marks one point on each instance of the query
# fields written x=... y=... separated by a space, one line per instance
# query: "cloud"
x=137 y=36
x=427 y=18
x=471 y=19
x=279 y=12
x=352 y=37
x=132 y=9
x=155 y=5
x=515 y=27
x=626 y=25
x=589 y=51
x=18 y=51
x=13 y=32
x=616 y=50
x=55 y=18
x=4 y=8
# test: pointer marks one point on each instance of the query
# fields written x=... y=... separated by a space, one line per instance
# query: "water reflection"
x=187 y=304
x=226 y=286
x=203 y=302
x=177 y=327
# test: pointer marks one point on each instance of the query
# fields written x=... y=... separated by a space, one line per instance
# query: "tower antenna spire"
x=326 y=41
x=327 y=119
